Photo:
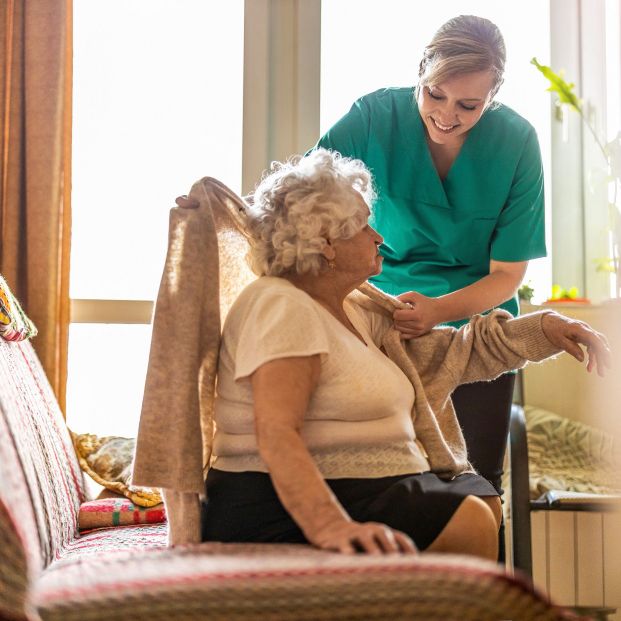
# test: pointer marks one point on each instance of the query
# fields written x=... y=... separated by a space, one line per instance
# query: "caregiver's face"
x=450 y=109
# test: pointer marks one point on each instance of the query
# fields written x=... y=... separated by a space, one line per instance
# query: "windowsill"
x=612 y=304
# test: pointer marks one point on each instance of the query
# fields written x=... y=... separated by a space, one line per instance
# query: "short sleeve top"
x=358 y=422
x=441 y=234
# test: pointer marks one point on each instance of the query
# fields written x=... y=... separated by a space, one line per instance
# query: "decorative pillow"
x=108 y=461
x=14 y=324
x=119 y=511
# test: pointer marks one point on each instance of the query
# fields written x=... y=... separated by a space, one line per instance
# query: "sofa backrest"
x=41 y=485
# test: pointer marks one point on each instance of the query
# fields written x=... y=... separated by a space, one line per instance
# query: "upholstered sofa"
x=48 y=571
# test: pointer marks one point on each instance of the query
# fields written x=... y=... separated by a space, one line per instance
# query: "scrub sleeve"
x=440 y=235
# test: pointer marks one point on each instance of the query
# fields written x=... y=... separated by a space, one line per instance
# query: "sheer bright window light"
x=370 y=44
x=157 y=105
x=613 y=99
x=613 y=68
x=158 y=96
x=107 y=366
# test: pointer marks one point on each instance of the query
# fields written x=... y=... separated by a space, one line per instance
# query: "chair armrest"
x=520 y=497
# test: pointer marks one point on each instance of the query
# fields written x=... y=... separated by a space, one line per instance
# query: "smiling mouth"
x=445 y=129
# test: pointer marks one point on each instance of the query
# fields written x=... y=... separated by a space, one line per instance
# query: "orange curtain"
x=35 y=212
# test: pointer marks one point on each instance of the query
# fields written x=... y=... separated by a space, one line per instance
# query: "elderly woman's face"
x=453 y=107
x=359 y=255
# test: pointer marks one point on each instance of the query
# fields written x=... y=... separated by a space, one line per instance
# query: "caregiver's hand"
x=569 y=334
x=421 y=318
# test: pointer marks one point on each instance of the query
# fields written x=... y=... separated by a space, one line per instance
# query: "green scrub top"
x=439 y=236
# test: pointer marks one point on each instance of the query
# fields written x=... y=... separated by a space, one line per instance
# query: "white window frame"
x=579 y=216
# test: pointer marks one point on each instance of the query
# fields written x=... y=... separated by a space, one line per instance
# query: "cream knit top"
x=359 y=419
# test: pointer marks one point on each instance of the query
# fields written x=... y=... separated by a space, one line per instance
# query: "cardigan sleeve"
x=484 y=348
x=183 y=514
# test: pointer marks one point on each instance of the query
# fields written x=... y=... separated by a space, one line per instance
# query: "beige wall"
x=564 y=386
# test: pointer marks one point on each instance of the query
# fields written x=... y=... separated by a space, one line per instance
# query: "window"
x=370 y=44
x=586 y=44
x=157 y=104
x=613 y=123
x=613 y=68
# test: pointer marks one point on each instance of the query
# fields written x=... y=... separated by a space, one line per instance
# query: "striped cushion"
x=40 y=480
x=46 y=464
x=106 y=512
x=115 y=540
x=237 y=582
x=13 y=568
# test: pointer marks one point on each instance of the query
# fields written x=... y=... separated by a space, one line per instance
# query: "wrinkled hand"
x=349 y=537
x=420 y=319
x=569 y=334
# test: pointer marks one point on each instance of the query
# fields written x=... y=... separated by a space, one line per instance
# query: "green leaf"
x=563 y=89
x=526 y=292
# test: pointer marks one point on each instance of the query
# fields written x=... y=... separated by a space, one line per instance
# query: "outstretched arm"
x=496 y=343
x=281 y=391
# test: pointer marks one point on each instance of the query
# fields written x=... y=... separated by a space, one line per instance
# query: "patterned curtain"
x=35 y=169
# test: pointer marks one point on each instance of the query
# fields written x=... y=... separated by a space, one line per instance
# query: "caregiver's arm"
x=281 y=391
x=498 y=286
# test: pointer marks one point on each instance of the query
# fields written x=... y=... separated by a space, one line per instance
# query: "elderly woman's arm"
x=493 y=344
x=281 y=391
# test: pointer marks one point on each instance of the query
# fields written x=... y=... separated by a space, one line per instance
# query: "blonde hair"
x=300 y=204
x=464 y=44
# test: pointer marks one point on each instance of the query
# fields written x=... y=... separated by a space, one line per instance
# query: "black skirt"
x=244 y=506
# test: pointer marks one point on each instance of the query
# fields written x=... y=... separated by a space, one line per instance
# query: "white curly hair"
x=299 y=205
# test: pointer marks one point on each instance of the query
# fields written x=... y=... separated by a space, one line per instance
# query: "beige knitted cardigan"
x=204 y=272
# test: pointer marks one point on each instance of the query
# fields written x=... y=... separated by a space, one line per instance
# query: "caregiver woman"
x=460 y=203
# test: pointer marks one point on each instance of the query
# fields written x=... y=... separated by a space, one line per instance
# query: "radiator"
x=577 y=557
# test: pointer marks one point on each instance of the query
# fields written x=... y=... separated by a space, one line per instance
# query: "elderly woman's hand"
x=423 y=315
x=348 y=537
x=569 y=334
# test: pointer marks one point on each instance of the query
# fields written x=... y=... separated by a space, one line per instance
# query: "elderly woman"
x=315 y=440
